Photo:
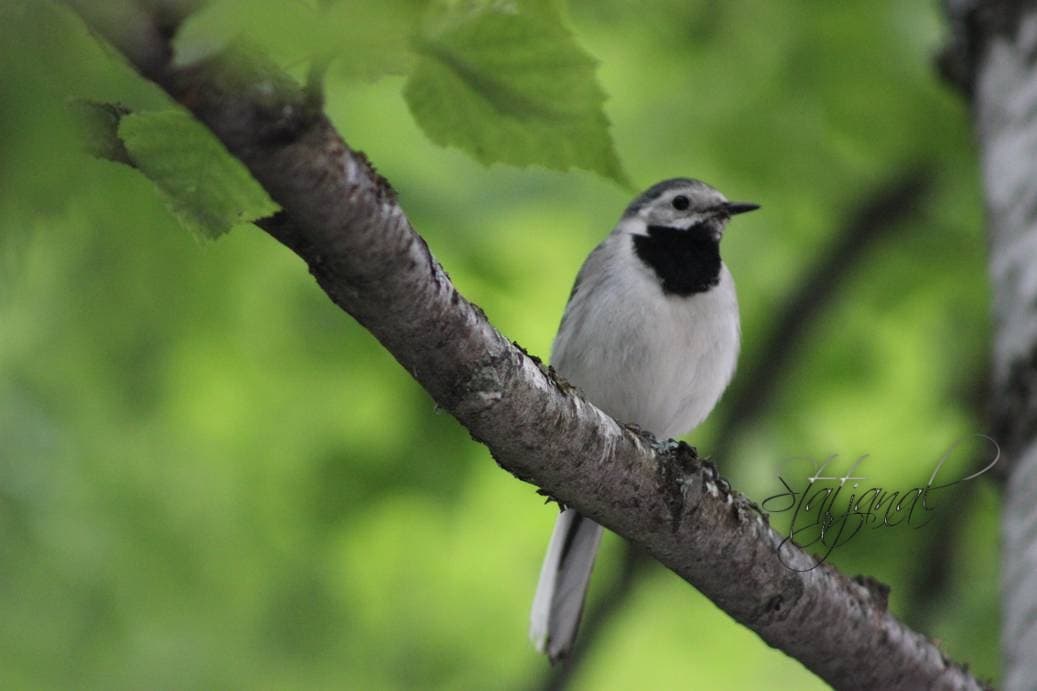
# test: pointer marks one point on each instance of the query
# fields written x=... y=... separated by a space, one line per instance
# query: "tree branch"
x=343 y=221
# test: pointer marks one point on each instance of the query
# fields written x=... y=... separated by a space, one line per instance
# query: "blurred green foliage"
x=212 y=478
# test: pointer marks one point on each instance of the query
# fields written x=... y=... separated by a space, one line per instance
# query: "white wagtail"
x=651 y=336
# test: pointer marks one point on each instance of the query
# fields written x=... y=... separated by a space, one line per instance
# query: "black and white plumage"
x=651 y=336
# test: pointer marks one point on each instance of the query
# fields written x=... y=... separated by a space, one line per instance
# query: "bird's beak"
x=733 y=208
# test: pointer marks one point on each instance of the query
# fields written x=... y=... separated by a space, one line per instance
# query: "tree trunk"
x=994 y=58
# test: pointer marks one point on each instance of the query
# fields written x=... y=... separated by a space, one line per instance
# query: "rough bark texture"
x=994 y=54
x=342 y=219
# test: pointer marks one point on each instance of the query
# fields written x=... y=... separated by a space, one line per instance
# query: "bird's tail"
x=564 y=578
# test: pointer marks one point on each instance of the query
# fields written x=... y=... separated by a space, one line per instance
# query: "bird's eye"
x=680 y=202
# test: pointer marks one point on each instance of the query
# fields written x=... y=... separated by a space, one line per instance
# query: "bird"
x=651 y=336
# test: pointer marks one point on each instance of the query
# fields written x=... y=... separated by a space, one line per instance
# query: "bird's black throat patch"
x=686 y=261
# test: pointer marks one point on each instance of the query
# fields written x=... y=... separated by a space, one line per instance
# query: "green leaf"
x=205 y=186
x=363 y=38
x=508 y=82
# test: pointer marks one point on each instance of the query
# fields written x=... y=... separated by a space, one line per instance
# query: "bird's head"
x=683 y=203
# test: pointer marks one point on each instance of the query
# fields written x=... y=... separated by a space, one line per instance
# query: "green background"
x=212 y=478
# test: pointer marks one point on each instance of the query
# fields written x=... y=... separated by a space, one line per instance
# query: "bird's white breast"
x=659 y=361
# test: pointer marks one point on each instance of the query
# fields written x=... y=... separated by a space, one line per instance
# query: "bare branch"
x=343 y=220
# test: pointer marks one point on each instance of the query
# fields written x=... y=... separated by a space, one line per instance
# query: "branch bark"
x=993 y=56
x=342 y=219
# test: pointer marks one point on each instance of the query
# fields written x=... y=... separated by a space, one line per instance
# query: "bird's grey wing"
x=593 y=265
